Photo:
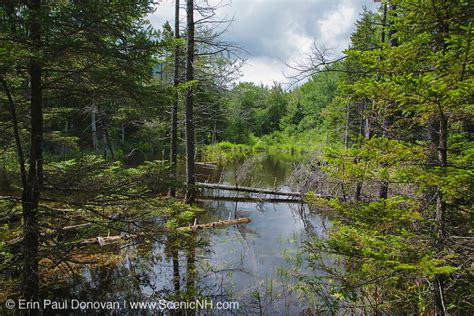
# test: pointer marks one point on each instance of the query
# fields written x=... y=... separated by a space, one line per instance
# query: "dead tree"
x=174 y=110
x=189 y=123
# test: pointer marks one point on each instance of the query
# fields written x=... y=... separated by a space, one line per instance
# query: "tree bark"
x=388 y=118
x=392 y=40
x=34 y=183
x=174 y=110
x=439 y=143
x=214 y=132
x=95 y=141
x=363 y=131
x=358 y=191
x=16 y=132
x=107 y=140
x=440 y=307
x=384 y=22
x=346 y=129
x=190 y=150
x=63 y=146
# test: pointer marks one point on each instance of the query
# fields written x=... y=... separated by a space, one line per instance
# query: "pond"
x=255 y=264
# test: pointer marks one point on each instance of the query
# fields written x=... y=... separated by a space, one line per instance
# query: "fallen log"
x=14 y=241
x=102 y=240
x=242 y=220
x=290 y=199
x=110 y=239
x=10 y=198
x=218 y=186
x=210 y=164
x=75 y=228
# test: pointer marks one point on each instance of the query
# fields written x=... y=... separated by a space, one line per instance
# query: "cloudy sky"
x=277 y=31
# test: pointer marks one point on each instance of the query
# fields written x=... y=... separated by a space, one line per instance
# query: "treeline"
x=393 y=122
x=116 y=96
x=401 y=235
x=84 y=84
x=80 y=78
x=262 y=116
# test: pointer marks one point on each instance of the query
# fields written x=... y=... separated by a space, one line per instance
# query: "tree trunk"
x=190 y=151
x=104 y=144
x=63 y=146
x=174 y=110
x=95 y=142
x=107 y=140
x=214 y=133
x=388 y=118
x=32 y=190
x=383 y=189
x=392 y=40
x=440 y=307
x=384 y=22
x=358 y=191
x=362 y=132
x=439 y=143
x=346 y=129
x=443 y=141
x=433 y=137
x=16 y=133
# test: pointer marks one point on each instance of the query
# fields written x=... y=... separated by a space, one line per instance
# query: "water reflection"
x=255 y=264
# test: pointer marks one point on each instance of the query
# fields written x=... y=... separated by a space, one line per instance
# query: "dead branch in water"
x=110 y=239
x=219 y=186
x=103 y=240
x=272 y=199
x=243 y=220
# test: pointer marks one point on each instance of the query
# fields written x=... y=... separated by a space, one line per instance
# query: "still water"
x=255 y=264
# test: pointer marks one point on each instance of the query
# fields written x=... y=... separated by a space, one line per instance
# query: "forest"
x=136 y=165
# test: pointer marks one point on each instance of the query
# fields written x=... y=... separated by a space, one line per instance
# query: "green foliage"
x=225 y=151
x=388 y=254
x=272 y=118
x=5 y=255
x=380 y=250
x=94 y=175
x=253 y=110
x=308 y=102
x=375 y=115
x=9 y=162
x=179 y=214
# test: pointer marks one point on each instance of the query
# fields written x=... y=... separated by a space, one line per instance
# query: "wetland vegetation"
x=136 y=167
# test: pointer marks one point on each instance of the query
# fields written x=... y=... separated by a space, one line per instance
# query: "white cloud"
x=337 y=24
x=164 y=12
x=262 y=70
x=279 y=31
